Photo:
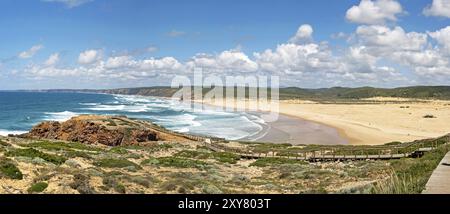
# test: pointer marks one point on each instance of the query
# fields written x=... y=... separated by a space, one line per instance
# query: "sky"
x=48 y=44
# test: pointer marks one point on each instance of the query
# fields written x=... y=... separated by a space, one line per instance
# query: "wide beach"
x=375 y=121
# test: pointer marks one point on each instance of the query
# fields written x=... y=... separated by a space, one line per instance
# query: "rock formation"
x=104 y=130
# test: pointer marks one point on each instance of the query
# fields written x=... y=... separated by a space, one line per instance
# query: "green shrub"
x=9 y=170
x=5 y=144
x=119 y=150
x=193 y=154
x=38 y=187
x=33 y=153
x=395 y=143
x=179 y=162
x=61 y=146
x=75 y=154
x=81 y=184
x=224 y=157
x=429 y=116
x=116 y=163
x=111 y=123
x=111 y=182
x=263 y=162
x=410 y=176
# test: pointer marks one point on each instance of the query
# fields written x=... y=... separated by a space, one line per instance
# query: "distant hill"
x=336 y=93
x=417 y=92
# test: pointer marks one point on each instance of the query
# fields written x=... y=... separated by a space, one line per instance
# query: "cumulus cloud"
x=304 y=34
x=384 y=39
x=374 y=12
x=442 y=36
x=89 y=56
x=113 y=68
x=152 y=49
x=377 y=55
x=70 y=3
x=410 y=49
x=438 y=8
x=296 y=59
x=52 y=60
x=30 y=52
x=175 y=33
x=226 y=61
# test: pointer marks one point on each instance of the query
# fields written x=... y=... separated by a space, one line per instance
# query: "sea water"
x=19 y=111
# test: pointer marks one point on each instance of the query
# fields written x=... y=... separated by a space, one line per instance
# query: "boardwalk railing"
x=321 y=153
x=328 y=153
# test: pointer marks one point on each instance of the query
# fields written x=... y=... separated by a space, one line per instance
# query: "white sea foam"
x=107 y=108
x=4 y=132
x=209 y=121
x=182 y=130
x=256 y=119
x=60 y=116
x=89 y=104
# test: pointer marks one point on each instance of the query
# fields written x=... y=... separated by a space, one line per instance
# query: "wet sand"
x=296 y=131
x=388 y=120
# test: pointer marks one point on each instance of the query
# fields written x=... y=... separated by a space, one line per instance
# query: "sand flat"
x=374 y=123
x=296 y=131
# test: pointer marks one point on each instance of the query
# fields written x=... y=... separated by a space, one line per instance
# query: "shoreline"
x=291 y=129
x=297 y=131
x=369 y=124
x=359 y=123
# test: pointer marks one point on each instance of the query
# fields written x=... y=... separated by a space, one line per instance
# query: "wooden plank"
x=439 y=182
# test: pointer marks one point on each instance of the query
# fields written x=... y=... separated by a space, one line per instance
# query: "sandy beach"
x=386 y=120
x=296 y=131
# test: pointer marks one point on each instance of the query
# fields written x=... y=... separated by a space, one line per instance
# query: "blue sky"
x=178 y=35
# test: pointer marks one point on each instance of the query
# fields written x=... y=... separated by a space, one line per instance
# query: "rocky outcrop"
x=92 y=130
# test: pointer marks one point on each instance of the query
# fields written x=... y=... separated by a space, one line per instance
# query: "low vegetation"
x=224 y=157
x=9 y=170
x=116 y=163
x=38 y=187
x=263 y=162
x=176 y=162
x=323 y=94
x=62 y=146
x=29 y=166
x=33 y=153
x=409 y=176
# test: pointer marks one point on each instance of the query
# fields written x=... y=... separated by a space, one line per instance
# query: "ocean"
x=20 y=111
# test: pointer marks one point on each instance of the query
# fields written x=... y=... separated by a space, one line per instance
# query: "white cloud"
x=89 y=56
x=293 y=58
x=30 y=52
x=304 y=34
x=152 y=49
x=438 y=8
x=226 y=61
x=442 y=36
x=374 y=12
x=166 y=64
x=113 y=69
x=376 y=55
x=119 y=61
x=385 y=40
x=410 y=49
x=70 y=3
x=175 y=33
x=52 y=60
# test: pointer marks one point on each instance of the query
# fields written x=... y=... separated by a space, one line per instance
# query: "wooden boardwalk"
x=321 y=156
x=439 y=182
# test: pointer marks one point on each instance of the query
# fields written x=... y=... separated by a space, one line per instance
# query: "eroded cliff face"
x=93 y=130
